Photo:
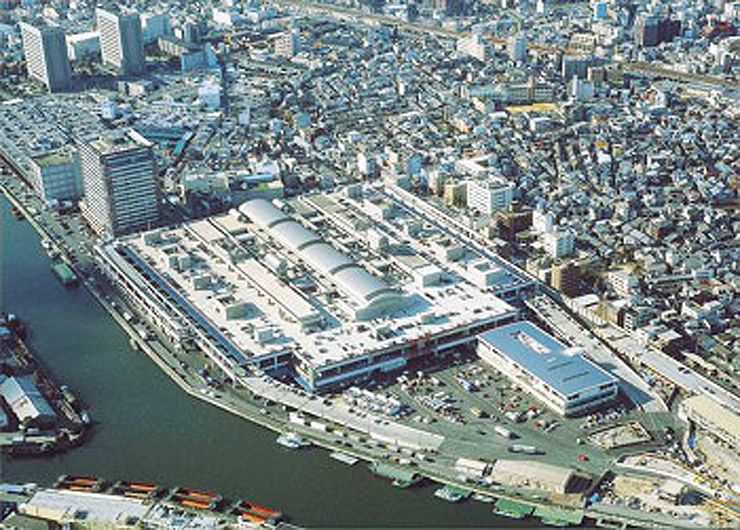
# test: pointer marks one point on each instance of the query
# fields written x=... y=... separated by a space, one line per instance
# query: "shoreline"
x=263 y=420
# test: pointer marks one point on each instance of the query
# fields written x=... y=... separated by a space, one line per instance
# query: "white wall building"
x=288 y=44
x=489 y=196
x=563 y=379
x=474 y=45
x=45 y=50
x=121 y=41
x=340 y=320
x=559 y=242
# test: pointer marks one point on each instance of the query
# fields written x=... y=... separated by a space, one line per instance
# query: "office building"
x=56 y=176
x=489 y=196
x=118 y=176
x=560 y=377
x=121 y=42
x=45 y=49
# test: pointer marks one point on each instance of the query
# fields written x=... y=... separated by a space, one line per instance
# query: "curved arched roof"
x=262 y=212
x=351 y=277
x=326 y=258
x=293 y=235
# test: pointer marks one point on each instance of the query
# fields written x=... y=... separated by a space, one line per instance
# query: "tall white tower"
x=121 y=41
x=118 y=175
x=45 y=49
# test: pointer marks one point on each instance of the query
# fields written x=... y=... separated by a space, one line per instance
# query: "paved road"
x=669 y=368
x=631 y=383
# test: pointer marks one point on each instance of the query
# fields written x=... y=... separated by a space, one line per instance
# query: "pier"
x=54 y=420
x=237 y=402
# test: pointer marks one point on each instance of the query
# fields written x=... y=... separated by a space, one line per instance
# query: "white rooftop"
x=84 y=506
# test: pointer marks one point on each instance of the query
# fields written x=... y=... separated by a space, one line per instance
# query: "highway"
x=631 y=383
x=655 y=360
x=666 y=366
x=669 y=368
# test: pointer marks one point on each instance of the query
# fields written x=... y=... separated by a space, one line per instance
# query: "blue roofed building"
x=559 y=376
x=26 y=402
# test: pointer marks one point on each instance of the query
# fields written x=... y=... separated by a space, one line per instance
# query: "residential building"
x=559 y=242
x=288 y=44
x=516 y=46
x=565 y=276
x=121 y=41
x=45 y=50
x=489 y=196
x=474 y=46
x=623 y=282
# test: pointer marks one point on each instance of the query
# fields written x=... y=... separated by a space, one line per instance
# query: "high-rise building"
x=651 y=30
x=121 y=41
x=517 y=47
x=559 y=242
x=489 y=196
x=155 y=25
x=45 y=49
x=118 y=175
x=288 y=44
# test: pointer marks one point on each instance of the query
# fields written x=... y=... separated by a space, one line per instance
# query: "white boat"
x=483 y=498
x=292 y=440
x=451 y=494
x=344 y=458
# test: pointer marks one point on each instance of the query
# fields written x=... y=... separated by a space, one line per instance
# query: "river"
x=147 y=429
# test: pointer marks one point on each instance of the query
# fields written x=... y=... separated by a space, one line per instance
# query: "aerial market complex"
x=490 y=244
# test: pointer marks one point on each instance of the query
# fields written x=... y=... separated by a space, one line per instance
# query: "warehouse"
x=539 y=476
x=26 y=402
x=302 y=292
x=563 y=379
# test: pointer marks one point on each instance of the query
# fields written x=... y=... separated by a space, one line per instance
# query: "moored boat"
x=452 y=493
x=292 y=440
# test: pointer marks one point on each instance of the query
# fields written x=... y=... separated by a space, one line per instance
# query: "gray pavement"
x=631 y=383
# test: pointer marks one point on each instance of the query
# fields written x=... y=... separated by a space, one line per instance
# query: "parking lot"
x=482 y=414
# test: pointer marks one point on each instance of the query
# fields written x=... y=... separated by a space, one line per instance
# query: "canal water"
x=147 y=429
